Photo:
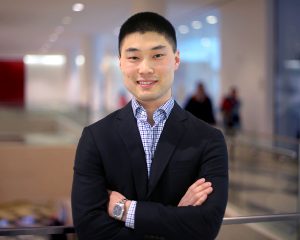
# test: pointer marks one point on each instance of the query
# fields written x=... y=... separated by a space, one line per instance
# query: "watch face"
x=117 y=210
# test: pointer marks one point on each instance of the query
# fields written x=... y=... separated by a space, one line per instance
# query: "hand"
x=196 y=194
x=115 y=197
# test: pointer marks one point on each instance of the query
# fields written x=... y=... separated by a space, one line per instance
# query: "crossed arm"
x=198 y=214
x=195 y=195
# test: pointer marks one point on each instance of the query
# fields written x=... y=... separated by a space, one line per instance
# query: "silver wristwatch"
x=119 y=209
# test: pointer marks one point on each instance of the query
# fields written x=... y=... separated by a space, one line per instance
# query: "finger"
x=191 y=199
x=197 y=183
x=202 y=196
x=181 y=203
x=209 y=190
x=184 y=201
x=193 y=192
x=198 y=191
x=201 y=187
x=197 y=196
x=201 y=200
x=205 y=191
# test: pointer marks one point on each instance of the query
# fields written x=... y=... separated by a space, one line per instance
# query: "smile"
x=146 y=83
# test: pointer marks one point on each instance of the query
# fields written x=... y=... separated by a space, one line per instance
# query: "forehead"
x=144 y=41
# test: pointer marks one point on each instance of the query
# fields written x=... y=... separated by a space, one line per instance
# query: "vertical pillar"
x=91 y=96
x=245 y=61
x=298 y=200
x=73 y=78
x=299 y=176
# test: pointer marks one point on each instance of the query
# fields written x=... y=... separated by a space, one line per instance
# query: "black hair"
x=148 y=22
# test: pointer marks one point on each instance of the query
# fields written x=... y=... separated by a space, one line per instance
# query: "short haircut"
x=148 y=22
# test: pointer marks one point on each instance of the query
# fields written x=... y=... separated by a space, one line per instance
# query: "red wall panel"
x=12 y=83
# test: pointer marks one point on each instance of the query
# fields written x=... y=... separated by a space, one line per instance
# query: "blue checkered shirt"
x=150 y=136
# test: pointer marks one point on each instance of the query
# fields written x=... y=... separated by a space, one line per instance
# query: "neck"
x=151 y=107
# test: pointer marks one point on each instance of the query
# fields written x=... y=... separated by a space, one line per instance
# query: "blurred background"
x=59 y=72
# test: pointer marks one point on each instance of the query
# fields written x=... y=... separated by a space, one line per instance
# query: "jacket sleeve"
x=199 y=222
x=90 y=198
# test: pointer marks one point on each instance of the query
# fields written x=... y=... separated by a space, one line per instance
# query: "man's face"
x=148 y=64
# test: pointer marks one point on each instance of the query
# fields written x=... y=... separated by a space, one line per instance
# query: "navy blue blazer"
x=110 y=155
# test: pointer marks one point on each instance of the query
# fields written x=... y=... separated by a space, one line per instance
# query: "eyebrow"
x=158 y=47
x=153 y=48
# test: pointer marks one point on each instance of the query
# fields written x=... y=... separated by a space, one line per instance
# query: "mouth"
x=145 y=83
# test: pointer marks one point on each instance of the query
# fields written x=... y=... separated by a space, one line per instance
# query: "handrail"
x=70 y=229
x=51 y=230
x=273 y=137
x=261 y=218
x=264 y=146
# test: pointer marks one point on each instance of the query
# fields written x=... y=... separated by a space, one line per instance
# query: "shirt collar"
x=162 y=112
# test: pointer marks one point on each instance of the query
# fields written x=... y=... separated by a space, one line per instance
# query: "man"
x=200 y=105
x=230 y=108
x=150 y=170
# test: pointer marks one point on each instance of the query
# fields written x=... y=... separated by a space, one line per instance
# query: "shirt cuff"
x=129 y=222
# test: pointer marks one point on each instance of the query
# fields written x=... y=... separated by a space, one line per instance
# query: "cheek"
x=165 y=69
x=128 y=71
x=167 y=65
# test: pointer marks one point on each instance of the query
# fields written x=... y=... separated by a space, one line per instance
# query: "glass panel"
x=42 y=126
x=287 y=230
x=263 y=176
x=287 y=67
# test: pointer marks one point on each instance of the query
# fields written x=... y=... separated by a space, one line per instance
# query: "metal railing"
x=62 y=230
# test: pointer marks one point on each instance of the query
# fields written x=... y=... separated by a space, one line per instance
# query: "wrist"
x=126 y=207
x=119 y=209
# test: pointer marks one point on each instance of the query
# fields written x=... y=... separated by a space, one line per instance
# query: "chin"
x=146 y=98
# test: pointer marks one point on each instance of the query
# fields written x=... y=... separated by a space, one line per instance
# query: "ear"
x=177 y=59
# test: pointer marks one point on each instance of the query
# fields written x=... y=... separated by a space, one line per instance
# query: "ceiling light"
x=53 y=60
x=80 y=60
x=196 y=24
x=211 y=19
x=56 y=60
x=78 y=7
x=31 y=59
x=183 y=29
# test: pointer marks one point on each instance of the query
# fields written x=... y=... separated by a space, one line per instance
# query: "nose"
x=145 y=67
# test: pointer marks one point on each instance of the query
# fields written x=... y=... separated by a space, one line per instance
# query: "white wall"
x=46 y=86
x=245 y=60
x=245 y=44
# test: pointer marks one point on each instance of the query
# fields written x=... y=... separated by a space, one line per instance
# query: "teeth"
x=145 y=83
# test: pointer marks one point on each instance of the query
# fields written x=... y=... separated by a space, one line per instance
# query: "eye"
x=133 y=58
x=159 y=55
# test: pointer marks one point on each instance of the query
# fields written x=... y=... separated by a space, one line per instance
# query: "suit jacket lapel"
x=169 y=139
x=129 y=133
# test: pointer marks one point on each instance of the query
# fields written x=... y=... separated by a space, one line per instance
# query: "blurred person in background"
x=230 y=108
x=200 y=105
x=149 y=170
